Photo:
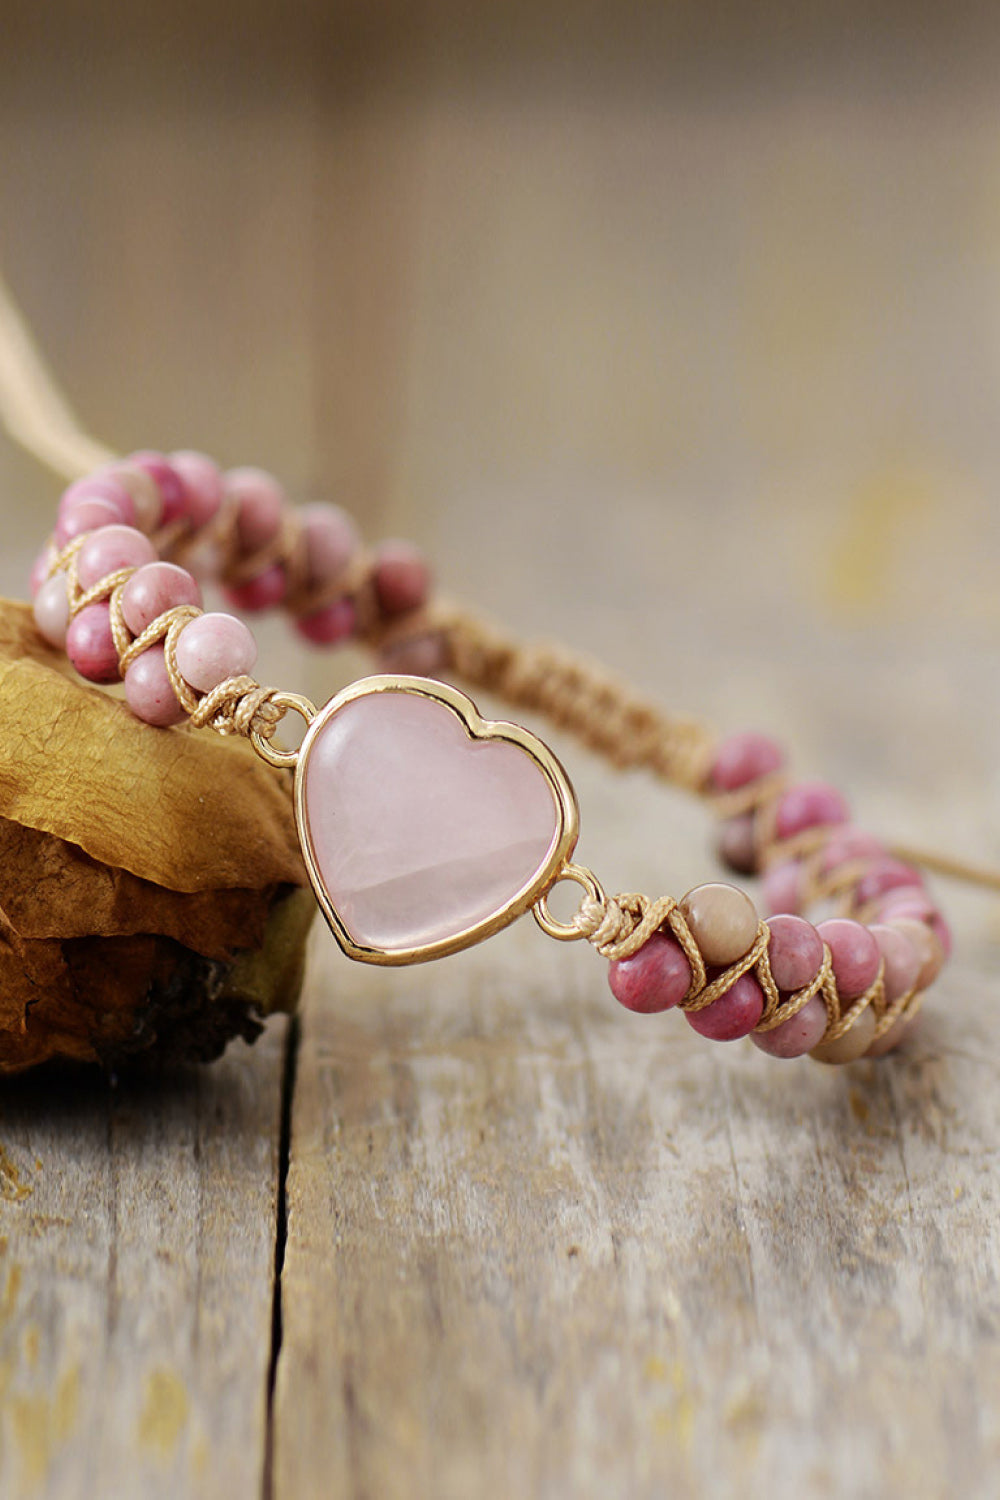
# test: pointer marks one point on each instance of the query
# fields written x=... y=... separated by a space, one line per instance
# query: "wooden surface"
x=676 y=338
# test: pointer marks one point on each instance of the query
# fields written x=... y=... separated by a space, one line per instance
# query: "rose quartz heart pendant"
x=425 y=827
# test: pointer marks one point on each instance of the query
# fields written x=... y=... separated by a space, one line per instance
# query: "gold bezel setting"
x=476 y=728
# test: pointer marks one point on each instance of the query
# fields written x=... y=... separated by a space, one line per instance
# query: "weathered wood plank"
x=137 y=1230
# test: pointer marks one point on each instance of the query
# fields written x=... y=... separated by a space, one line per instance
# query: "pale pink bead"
x=90 y=645
x=402 y=577
x=212 y=648
x=853 y=1044
x=929 y=946
x=40 y=568
x=51 y=609
x=154 y=589
x=855 y=953
x=810 y=804
x=202 y=480
x=327 y=626
x=265 y=591
x=900 y=959
x=148 y=691
x=88 y=515
x=723 y=921
x=795 y=1037
x=744 y=758
x=918 y=906
x=733 y=1015
x=795 y=951
x=848 y=844
x=173 y=492
x=654 y=979
x=902 y=1029
x=332 y=541
x=144 y=490
x=111 y=548
x=260 y=505
x=99 y=487
x=886 y=874
x=782 y=887
x=737 y=845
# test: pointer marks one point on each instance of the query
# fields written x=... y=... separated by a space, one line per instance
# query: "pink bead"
x=906 y=902
x=654 y=979
x=900 y=1031
x=810 y=804
x=111 y=548
x=40 y=568
x=90 y=645
x=212 y=648
x=418 y=656
x=900 y=959
x=929 y=946
x=402 y=577
x=99 y=487
x=856 y=955
x=88 y=515
x=202 y=480
x=795 y=952
x=51 y=610
x=798 y=1036
x=154 y=589
x=265 y=591
x=332 y=541
x=334 y=623
x=148 y=691
x=171 y=486
x=782 y=887
x=145 y=493
x=744 y=758
x=848 y=844
x=737 y=844
x=886 y=874
x=260 y=505
x=733 y=1015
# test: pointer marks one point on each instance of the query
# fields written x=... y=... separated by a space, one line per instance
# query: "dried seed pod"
x=152 y=895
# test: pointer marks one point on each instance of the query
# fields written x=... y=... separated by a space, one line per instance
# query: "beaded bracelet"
x=426 y=828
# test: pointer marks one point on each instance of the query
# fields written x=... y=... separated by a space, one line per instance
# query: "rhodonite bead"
x=146 y=497
x=737 y=845
x=901 y=962
x=744 y=758
x=265 y=591
x=795 y=952
x=111 y=548
x=152 y=590
x=51 y=610
x=855 y=953
x=419 y=656
x=733 y=1015
x=886 y=874
x=901 y=1028
x=40 y=568
x=99 y=487
x=332 y=541
x=782 y=887
x=88 y=515
x=335 y=622
x=797 y=1036
x=260 y=505
x=148 y=691
x=809 y=804
x=930 y=949
x=847 y=845
x=202 y=480
x=212 y=648
x=402 y=577
x=852 y=1045
x=173 y=494
x=723 y=922
x=90 y=645
x=654 y=979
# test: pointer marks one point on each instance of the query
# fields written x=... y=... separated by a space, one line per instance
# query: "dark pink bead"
x=202 y=480
x=154 y=589
x=654 y=979
x=856 y=955
x=89 y=515
x=782 y=887
x=328 y=626
x=733 y=1015
x=810 y=804
x=798 y=1036
x=744 y=758
x=260 y=506
x=402 y=577
x=90 y=645
x=795 y=951
x=171 y=486
x=265 y=591
x=900 y=959
x=99 y=487
x=737 y=846
x=148 y=691
x=886 y=874
x=848 y=845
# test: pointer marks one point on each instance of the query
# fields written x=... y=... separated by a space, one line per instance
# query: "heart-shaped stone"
x=425 y=827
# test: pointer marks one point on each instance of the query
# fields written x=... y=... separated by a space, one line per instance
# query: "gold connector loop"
x=574 y=929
